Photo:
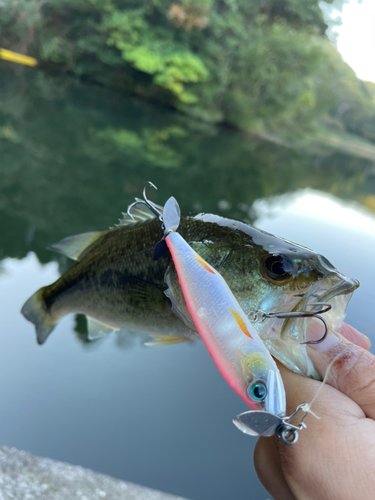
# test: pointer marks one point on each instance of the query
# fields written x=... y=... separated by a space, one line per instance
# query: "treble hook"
x=146 y=202
x=323 y=336
x=261 y=316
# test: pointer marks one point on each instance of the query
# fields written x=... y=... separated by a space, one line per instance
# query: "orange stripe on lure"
x=240 y=322
x=205 y=265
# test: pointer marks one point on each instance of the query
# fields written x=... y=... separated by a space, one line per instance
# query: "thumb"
x=353 y=372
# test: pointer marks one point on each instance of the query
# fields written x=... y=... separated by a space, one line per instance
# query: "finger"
x=353 y=373
x=330 y=403
x=354 y=336
x=316 y=466
x=315 y=332
x=268 y=467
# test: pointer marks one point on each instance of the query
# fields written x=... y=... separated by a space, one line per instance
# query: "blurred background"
x=243 y=108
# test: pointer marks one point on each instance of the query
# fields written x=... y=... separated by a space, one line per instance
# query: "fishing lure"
x=233 y=343
x=239 y=353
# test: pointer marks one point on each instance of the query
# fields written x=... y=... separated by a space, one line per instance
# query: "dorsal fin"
x=140 y=213
x=73 y=246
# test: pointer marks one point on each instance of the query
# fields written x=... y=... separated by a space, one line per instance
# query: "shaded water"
x=72 y=157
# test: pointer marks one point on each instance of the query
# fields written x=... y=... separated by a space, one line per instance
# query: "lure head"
x=263 y=384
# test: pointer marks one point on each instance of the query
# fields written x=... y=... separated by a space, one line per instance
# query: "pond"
x=73 y=156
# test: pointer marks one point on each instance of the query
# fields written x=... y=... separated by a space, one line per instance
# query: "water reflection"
x=73 y=159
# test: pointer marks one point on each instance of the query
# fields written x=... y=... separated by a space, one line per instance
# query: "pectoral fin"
x=74 y=246
x=175 y=309
x=183 y=315
x=166 y=340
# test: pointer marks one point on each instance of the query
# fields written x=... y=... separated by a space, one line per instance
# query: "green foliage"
x=151 y=51
x=7 y=133
x=18 y=22
x=263 y=65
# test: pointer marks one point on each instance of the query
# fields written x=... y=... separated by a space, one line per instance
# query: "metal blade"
x=257 y=423
x=171 y=215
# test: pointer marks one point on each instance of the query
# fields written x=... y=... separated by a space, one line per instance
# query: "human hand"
x=334 y=458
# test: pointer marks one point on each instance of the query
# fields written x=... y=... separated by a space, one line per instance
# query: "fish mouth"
x=335 y=290
x=335 y=283
x=343 y=288
x=329 y=288
x=285 y=338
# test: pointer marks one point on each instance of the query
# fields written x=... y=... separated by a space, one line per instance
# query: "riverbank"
x=23 y=475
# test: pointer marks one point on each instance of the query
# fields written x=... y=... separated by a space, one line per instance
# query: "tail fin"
x=171 y=215
x=34 y=310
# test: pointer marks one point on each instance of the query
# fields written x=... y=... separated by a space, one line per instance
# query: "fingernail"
x=315 y=331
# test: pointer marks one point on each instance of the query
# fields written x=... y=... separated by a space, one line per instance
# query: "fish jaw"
x=294 y=330
x=335 y=317
x=342 y=286
x=335 y=290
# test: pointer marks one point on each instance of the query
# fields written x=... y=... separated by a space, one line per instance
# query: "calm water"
x=73 y=157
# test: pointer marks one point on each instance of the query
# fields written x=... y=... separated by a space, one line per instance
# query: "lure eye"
x=279 y=267
x=258 y=391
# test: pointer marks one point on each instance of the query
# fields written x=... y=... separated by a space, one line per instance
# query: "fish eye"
x=279 y=267
x=257 y=391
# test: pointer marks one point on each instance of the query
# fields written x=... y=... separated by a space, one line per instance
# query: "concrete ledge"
x=24 y=476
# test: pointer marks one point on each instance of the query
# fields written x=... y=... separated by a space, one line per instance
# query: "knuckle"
x=355 y=376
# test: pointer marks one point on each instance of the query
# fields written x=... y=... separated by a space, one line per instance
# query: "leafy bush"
x=260 y=65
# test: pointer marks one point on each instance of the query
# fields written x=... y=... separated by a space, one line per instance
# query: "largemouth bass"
x=117 y=284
